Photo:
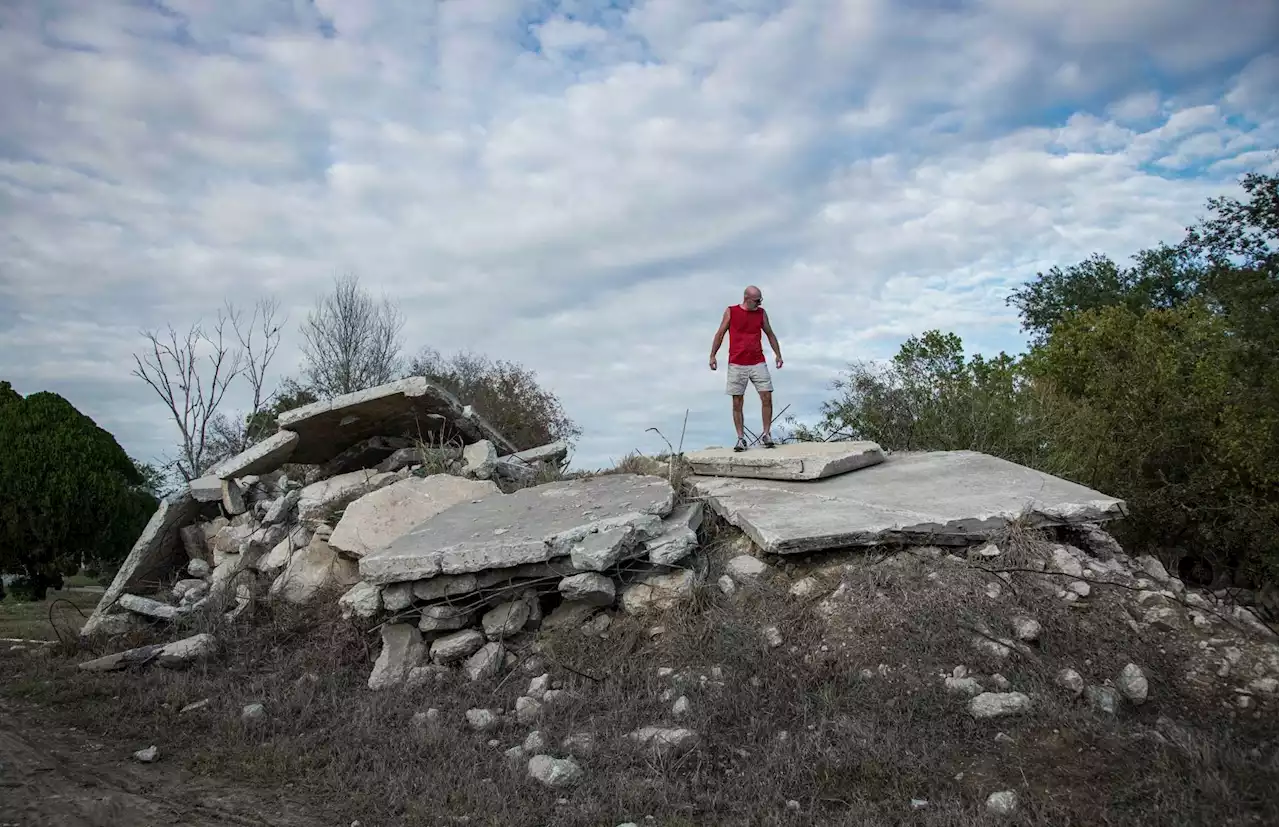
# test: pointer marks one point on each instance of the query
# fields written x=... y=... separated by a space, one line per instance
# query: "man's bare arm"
x=773 y=340
x=720 y=331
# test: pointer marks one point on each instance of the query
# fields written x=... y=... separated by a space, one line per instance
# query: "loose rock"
x=1002 y=803
x=592 y=588
x=1132 y=683
x=556 y=773
x=999 y=704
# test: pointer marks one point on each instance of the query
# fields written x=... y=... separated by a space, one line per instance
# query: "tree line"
x=1153 y=381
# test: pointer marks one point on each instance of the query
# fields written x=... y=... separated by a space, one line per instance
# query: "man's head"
x=752 y=297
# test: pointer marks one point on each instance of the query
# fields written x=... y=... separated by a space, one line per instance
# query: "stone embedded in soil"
x=556 y=773
x=485 y=663
x=746 y=568
x=1133 y=684
x=457 y=646
x=999 y=704
x=528 y=710
x=361 y=600
x=1104 y=699
x=402 y=649
x=482 y=720
x=964 y=686
x=1026 y=629
x=665 y=740
x=658 y=592
x=1002 y=803
x=252 y=713
x=147 y=756
x=532 y=525
x=505 y=620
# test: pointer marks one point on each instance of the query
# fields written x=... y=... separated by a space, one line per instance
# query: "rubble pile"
x=422 y=521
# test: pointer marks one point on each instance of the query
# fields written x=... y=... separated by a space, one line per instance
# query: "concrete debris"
x=319 y=501
x=590 y=587
x=147 y=756
x=532 y=525
x=938 y=497
x=1002 y=803
x=485 y=663
x=1070 y=680
x=456 y=647
x=1104 y=699
x=314 y=570
x=746 y=568
x=795 y=461
x=658 y=592
x=174 y=655
x=402 y=649
x=505 y=620
x=665 y=741
x=1026 y=629
x=1133 y=684
x=253 y=713
x=726 y=585
x=362 y=600
x=479 y=459
x=376 y=519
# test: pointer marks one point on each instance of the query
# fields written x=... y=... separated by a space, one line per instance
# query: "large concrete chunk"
x=376 y=519
x=796 y=461
x=317 y=501
x=931 y=498
x=260 y=458
x=413 y=407
x=530 y=526
x=158 y=549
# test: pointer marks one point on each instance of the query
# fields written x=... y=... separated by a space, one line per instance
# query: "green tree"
x=505 y=393
x=68 y=491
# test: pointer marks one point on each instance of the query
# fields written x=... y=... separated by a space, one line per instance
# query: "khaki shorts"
x=735 y=383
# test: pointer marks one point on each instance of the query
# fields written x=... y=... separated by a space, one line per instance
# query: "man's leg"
x=737 y=414
x=735 y=384
x=764 y=386
x=766 y=414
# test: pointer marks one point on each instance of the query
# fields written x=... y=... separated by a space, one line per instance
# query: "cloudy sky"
x=583 y=186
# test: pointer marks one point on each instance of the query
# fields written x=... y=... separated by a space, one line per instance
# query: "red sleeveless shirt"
x=744 y=335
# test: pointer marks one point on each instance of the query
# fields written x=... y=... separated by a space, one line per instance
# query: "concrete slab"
x=157 y=551
x=931 y=498
x=260 y=458
x=387 y=514
x=412 y=407
x=532 y=525
x=794 y=461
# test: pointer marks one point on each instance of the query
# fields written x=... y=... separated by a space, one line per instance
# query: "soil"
x=52 y=774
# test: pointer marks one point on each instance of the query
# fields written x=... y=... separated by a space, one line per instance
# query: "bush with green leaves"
x=68 y=491
x=1154 y=382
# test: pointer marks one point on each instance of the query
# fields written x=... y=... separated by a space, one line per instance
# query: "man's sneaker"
x=767 y=441
x=742 y=444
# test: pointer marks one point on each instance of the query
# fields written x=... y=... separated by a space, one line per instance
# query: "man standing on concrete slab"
x=744 y=323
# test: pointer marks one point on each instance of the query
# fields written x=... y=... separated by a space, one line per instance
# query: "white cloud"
x=583 y=189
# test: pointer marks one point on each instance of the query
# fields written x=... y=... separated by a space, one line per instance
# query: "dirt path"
x=51 y=775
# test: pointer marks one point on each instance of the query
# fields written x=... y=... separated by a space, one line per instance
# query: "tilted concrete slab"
x=532 y=525
x=260 y=458
x=158 y=549
x=794 y=461
x=385 y=515
x=410 y=407
x=933 y=498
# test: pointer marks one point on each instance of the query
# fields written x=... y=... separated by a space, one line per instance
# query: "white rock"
x=528 y=710
x=187 y=651
x=773 y=637
x=999 y=704
x=1070 y=680
x=661 y=592
x=402 y=649
x=804 y=588
x=665 y=741
x=537 y=687
x=252 y=713
x=195 y=706
x=1132 y=683
x=505 y=620
x=181 y=587
x=397 y=596
x=556 y=773
x=589 y=587
x=428 y=675
x=989 y=550
x=1064 y=561
x=1102 y=698
x=746 y=568
x=482 y=720
x=147 y=756
x=479 y=459
x=1154 y=568
x=361 y=600
x=1079 y=587
x=726 y=585
x=457 y=646
x=312 y=570
x=199 y=568
x=514 y=757
x=1027 y=629
x=1002 y=803
x=992 y=590
x=570 y=613
x=273 y=561
x=485 y=663
x=535 y=742
x=443 y=617
x=681 y=707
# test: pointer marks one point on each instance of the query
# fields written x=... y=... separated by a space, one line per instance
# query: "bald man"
x=744 y=322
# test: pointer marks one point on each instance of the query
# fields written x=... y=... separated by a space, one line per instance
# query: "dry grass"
x=800 y=723
x=67 y=608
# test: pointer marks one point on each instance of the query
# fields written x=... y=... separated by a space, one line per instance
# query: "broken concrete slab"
x=260 y=458
x=366 y=453
x=414 y=407
x=173 y=655
x=148 y=607
x=794 y=461
x=206 y=489
x=551 y=452
x=678 y=536
x=233 y=497
x=380 y=517
x=479 y=459
x=312 y=570
x=929 y=498
x=319 y=499
x=158 y=549
x=532 y=525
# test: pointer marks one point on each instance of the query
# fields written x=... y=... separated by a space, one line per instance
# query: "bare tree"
x=350 y=341
x=193 y=388
x=190 y=385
